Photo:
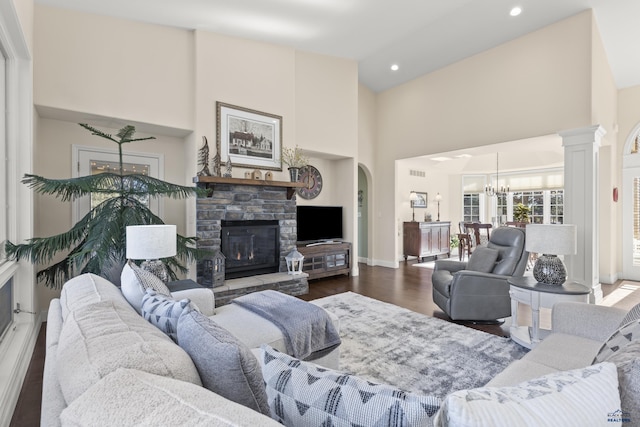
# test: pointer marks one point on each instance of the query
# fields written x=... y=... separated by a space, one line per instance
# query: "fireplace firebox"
x=250 y=247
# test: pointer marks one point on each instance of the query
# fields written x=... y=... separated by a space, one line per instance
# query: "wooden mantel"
x=211 y=181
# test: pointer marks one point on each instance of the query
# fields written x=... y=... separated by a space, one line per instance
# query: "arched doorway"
x=364 y=223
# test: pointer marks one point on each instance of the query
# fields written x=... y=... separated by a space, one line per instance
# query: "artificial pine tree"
x=97 y=243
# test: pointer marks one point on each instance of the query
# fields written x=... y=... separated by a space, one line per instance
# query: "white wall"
x=113 y=67
x=170 y=83
x=507 y=93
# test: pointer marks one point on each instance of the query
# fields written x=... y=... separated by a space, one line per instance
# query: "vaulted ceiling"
x=419 y=36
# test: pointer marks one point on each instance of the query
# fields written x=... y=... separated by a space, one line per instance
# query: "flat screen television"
x=319 y=223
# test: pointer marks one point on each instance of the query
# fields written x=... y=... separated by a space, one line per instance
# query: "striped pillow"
x=581 y=397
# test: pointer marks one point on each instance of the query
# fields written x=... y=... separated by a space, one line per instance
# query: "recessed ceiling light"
x=440 y=159
x=395 y=67
x=515 y=11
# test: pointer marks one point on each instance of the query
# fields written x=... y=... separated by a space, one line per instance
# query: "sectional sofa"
x=106 y=365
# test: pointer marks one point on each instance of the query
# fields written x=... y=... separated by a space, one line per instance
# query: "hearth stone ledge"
x=284 y=282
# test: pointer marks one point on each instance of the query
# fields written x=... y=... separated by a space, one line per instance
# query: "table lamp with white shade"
x=549 y=241
x=413 y=196
x=438 y=200
x=150 y=243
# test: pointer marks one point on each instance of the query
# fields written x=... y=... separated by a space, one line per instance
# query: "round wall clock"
x=312 y=179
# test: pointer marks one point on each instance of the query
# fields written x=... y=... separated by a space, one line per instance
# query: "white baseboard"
x=15 y=356
x=385 y=263
x=609 y=279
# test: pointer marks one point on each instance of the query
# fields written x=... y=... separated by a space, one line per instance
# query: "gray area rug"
x=388 y=344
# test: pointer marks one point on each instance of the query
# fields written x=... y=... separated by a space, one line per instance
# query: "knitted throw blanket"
x=307 y=329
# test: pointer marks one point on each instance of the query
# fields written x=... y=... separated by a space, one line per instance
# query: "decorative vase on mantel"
x=294 y=174
x=294 y=158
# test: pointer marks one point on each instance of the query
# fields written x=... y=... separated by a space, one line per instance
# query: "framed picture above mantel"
x=249 y=138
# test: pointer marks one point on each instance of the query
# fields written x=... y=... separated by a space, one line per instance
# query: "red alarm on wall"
x=615 y=194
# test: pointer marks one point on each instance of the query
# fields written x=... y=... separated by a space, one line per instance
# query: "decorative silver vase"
x=549 y=269
x=294 y=174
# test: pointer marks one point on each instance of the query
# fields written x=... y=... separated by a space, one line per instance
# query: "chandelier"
x=490 y=190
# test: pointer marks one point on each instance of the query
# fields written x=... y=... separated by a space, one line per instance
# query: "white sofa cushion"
x=564 y=352
x=102 y=337
x=226 y=366
x=581 y=397
x=129 y=397
x=303 y=394
x=87 y=289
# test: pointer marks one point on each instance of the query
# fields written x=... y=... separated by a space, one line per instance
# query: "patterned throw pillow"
x=303 y=394
x=226 y=366
x=627 y=361
x=134 y=281
x=633 y=314
x=164 y=312
x=618 y=340
x=581 y=397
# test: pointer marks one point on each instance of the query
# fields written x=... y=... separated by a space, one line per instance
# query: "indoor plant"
x=97 y=242
x=294 y=158
x=521 y=212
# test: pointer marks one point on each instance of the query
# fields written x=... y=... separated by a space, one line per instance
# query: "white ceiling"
x=544 y=152
x=418 y=35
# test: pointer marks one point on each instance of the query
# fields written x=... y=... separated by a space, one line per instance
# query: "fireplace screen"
x=250 y=247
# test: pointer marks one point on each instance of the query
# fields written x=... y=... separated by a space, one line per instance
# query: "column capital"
x=586 y=135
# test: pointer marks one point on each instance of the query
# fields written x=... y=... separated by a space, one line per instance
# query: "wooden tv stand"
x=326 y=259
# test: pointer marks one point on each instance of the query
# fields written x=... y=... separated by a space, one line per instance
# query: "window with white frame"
x=471 y=207
x=92 y=160
x=3 y=157
x=534 y=200
x=547 y=206
x=556 y=207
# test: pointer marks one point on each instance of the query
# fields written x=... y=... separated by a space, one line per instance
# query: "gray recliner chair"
x=477 y=290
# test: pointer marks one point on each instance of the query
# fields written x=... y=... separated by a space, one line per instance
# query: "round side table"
x=527 y=290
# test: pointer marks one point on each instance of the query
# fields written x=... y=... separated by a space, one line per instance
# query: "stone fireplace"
x=238 y=205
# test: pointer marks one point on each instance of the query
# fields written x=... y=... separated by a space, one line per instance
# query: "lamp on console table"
x=413 y=196
x=150 y=243
x=549 y=241
x=438 y=200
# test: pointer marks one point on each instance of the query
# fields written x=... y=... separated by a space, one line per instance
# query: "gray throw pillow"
x=303 y=394
x=163 y=311
x=483 y=259
x=226 y=366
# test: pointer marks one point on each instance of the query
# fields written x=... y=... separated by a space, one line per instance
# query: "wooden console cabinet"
x=325 y=260
x=426 y=239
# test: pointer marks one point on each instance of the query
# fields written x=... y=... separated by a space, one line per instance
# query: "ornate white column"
x=581 y=160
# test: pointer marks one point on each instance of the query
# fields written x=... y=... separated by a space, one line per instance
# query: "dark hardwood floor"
x=407 y=286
